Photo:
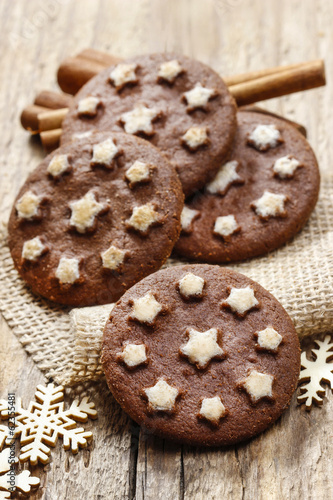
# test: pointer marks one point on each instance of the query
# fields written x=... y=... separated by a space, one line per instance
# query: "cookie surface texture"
x=259 y=199
x=216 y=364
x=180 y=105
x=95 y=217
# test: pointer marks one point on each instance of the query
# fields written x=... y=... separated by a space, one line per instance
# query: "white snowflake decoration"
x=45 y=420
x=23 y=481
x=316 y=371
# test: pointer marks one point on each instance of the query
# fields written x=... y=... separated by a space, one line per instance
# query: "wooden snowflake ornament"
x=316 y=371
x=45 y=420
x=23 y=481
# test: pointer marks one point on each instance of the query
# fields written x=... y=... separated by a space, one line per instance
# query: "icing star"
x=162 y=396
x=198 y=97
x=270 y=205
x=32 y=249
x=226 y=176
x=67 y=271
x=264 y=137
x=241 y=300
x=191 y=286
x=58 y=165
x=285 y=167
x=133 y=355
x=104 y=153
x=146 y=309
x=88 y=106
x=143 y=217
x=123 y=74
x=113 y=257
x=138 y=172
x=27 y=206
x=139 y=120
x=195 y=137
x=212 y=409
x=269 y=339
x=226 y=226
x=258 y=385
x=201 y=347
x=84 y=212
x=187 y=218
x=169 y=71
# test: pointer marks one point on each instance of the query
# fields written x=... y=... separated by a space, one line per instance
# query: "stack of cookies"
x=211 y=357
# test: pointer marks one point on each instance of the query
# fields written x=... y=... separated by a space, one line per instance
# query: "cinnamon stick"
x=53 y=100
x=51 y=139
x=29 y=118
x=308 y=76
x=51 y=119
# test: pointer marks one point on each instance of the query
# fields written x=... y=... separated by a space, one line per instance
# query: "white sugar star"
x=123 y=74
x=195 y=137
x=225 y=226
x=133 y=355
x=212 y=409
x=88 y=106
x=270 y=205
x=67 y=271
x=191 y=286
x=104 y=153
x=138 y=172
x=258 y=385
x=198 y=97
x=201 y=347
x=146 y=309
x=241 y=300
x=187 y=218
x=269 y=339
x=162 y=396
x=58 y=165
x=226 y=176
x=84 y=212
x=32 y=249
x=113 y=257
x=285 y=167
x=139 y=120
x=264 y=137
x=143 y=217
x=27 y=206
x=170 y=70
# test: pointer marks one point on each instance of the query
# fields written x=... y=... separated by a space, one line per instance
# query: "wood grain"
x=291 y=460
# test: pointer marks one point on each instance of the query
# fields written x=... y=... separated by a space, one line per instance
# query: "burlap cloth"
x=66 y=344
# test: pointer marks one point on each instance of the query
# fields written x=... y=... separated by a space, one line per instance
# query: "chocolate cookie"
x=201 y=354
x=94 y=218
x=258 y=200
x=181 y=105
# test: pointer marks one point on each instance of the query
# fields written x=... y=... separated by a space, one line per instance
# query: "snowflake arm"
x=314 y=372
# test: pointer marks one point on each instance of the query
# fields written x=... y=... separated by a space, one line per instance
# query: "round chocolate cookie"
x=181 y=105
x=201 y=354
x=95 y=217
x=258 y=200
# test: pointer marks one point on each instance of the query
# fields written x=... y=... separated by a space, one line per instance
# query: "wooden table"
x=292 y=460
